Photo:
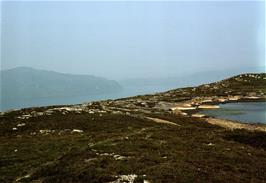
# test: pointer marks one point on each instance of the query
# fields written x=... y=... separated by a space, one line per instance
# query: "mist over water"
x=146 y=47
x=127 y=40
x=17 y=103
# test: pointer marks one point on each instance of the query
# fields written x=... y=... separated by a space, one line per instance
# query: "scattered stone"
x=90 y=144
x=24 y=177
x=125 y=178
x=102 y=111
x=77 y=131
x=234 y=98
x=21 y=124
x=49 y=112
x=210 y=144
x=183 y=113
x=222 y=100
x=119 y=157
x=184 y=108
x=198 y=115
x=105 y=154
x=209 y=107
x=89 y=160
x=206 y=101
x=252 y=97
x=46 y=132
x=26 y=116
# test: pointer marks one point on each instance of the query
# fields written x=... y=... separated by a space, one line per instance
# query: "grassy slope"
x=164 y=153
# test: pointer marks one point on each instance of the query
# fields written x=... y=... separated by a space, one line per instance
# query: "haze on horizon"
x=121 y=40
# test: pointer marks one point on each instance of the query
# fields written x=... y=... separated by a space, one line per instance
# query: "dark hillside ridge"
x=249 y=84
x=243 y=84
x=24 y=82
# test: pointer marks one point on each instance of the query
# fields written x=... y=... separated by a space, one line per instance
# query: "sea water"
x=246 y=112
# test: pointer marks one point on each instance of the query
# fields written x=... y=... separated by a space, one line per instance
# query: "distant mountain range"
x=28 y=87
x=24 y=82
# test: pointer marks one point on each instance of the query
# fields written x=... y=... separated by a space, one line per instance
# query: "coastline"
x=110 y=138
x=225 y=123
x=187 y=101
x=184 y=108
x=232 y=125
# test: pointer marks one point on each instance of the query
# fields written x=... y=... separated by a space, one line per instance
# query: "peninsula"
x=149 y=138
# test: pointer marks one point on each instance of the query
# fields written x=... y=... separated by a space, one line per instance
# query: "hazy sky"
x=137 y=39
